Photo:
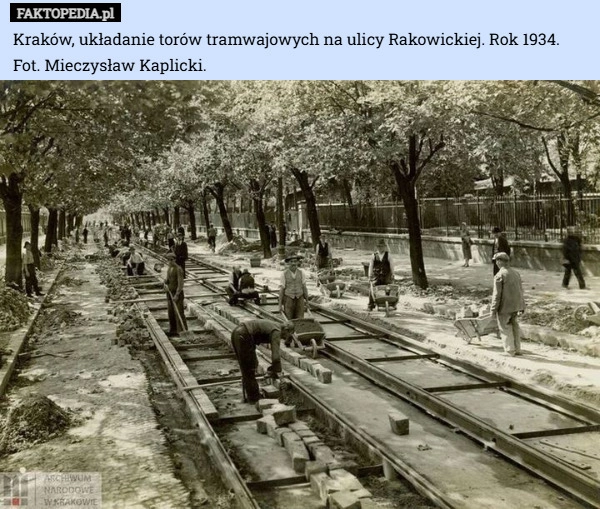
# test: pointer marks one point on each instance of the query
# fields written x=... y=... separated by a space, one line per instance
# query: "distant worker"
x=234 y=284
x=293 y=292
x=507 y=303
x=572 y=258
x=174 y=288
x=322 y=254
x=170 y=239
x=211 y=233
x=245 y=338
x=180 y=249
x=135 y=263
x=381 y=269
x=28 y=262
x=85 y=234
x=500 y=246
x=467 y=242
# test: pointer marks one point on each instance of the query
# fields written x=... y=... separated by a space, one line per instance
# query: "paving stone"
x=314 y=467
x=263 y=404
x=346 y=480
x=343 y=500
x=261 y=424
x=323 y=454
x=299 y=455
x=317 y=481
x=288 y=438
x=348 y=465
x=398 y=423
x=279 y=432
x=271 y=392
x=324 y=375
x=298 y=426
x=314 y=439
x=283 y=414
x=294 y=358
x=313 y=446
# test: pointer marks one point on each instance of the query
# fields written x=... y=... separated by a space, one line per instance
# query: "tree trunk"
x=347 y=190
x=51 y=230
x=12 y=198
x=34 y=213
x=311 y=204
x=192 y=215
x=62 y=219
x=261 y=220
x=217 y=191
x=176 y=217
x=280 y=219
x=411 y=209
x=205 y=213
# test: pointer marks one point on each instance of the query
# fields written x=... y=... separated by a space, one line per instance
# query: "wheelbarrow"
x=589 y=312
x=334 y=289
x=385 y=297
x=308 y=335
x=471 y=328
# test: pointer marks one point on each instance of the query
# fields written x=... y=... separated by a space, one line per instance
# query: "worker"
x=244 y=340
x=292 y=292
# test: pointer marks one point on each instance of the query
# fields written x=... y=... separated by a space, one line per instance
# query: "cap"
x=501 y=256
x=293 y=257
x=381 y=242
x=495 y=229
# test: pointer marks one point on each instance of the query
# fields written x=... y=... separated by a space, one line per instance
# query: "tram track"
x=501 y=414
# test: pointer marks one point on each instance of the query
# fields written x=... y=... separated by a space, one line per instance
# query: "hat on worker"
x=501 y=256
x=496 y=229
x=381 y=242
x=170 y=256
x=293 y=257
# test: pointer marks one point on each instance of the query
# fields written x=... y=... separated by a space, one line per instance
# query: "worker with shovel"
x=244 y=340
x=174 y=289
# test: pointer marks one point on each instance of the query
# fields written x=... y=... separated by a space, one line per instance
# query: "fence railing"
x=539 y=217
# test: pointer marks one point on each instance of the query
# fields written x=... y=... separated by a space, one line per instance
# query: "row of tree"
x=147 y=147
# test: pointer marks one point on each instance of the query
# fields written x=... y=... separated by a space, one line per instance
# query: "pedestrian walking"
x=211 y=233
x=507 y=303
x=174 y=287
x=273 y=236
x=467 y=242
x=500 y=245
x=28 y=262
x=292 y=291
x=381 y=269
x=245 y=338
x=572 y=258
x=85 y=234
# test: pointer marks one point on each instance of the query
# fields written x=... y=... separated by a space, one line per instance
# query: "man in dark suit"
x=500 y=245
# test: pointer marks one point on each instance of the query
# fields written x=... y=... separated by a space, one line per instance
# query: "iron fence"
x=538 y=217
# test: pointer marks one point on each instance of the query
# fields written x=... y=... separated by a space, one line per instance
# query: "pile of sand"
x=34 y=420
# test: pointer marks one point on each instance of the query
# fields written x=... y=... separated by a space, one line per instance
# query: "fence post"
x=560 y=213
x=515 y=212
x=478 y=219
x=447 y=222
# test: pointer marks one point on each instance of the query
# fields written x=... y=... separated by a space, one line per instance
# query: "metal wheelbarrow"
x=589 y=312
x=471 y=328
x=385 y=297
x=308 y=335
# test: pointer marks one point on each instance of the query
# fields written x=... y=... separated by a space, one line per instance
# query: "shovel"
x=185 y=333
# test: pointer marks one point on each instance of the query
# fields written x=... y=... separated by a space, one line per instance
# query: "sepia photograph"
x=300 y=294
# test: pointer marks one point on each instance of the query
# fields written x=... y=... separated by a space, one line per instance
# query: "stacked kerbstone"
x=331 y=480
